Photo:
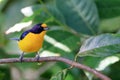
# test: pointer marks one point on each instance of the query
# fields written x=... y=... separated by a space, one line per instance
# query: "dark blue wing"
x=24 y=34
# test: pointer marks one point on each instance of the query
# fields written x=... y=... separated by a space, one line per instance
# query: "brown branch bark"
x=61 y=59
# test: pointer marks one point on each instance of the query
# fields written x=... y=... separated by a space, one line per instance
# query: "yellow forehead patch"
x=43 y=25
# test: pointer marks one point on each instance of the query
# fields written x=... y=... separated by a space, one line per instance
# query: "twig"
x=61 y=59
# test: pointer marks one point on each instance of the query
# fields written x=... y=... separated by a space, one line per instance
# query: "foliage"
x=81 y=28
x=102 y=45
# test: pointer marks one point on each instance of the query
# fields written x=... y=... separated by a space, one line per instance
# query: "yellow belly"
x=31 y=42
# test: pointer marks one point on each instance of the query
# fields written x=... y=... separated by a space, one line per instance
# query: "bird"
x=31 y=40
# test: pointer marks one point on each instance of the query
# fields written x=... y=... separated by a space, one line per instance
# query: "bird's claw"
x=37 y=57
x=21 y=57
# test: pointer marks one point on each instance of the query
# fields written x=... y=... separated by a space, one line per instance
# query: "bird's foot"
x=37 y=57
x=21 y=57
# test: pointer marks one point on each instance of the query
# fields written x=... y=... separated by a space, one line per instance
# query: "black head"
x=38 y=28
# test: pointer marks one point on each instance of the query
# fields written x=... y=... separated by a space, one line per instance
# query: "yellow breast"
x=31 y=42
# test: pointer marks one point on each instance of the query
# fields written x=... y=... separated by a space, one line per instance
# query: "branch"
x=61 y=59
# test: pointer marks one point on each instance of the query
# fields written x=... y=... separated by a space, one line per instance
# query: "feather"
x=24 y=34
x=16 y=39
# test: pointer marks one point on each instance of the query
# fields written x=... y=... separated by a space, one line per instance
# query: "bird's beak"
x=46 y=28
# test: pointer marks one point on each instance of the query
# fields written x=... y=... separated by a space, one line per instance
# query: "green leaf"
x=55 y=12
x=61 y=75
x=59 y=41
x=114 y=72
x=81 y=15
x=110 y=25
x=18 y=27
x=2 y=4
x=12 y=13
x=102 y=45
x=109 y=20
x=46 y=13
x=33 y=12
x=5 y=73
x=112 y=7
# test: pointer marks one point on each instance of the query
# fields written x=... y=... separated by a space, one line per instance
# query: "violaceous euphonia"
x=32 y=40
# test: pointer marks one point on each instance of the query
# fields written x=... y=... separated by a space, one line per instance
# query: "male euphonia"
x=32 y=39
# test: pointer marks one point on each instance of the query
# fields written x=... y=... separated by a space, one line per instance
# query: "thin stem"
x=61 y=59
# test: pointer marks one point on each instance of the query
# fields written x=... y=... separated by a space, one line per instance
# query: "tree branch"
x=61 y=59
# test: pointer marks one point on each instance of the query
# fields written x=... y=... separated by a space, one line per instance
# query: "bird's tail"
x=16 y=39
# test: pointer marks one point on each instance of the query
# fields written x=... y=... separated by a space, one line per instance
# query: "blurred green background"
x=88 y=29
